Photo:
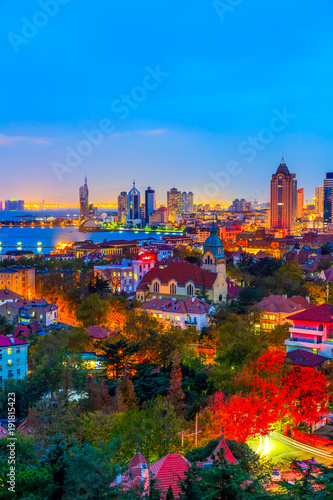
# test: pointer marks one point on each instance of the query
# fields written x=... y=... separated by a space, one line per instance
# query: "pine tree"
x=175 y=394
x=105 y=396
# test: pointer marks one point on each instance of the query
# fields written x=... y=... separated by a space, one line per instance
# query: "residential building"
x=107 y=248
x=312 y=330
x=319 y=201
x=14 y=204
x=84 y=199
x=300 y=203
x=187 y=203
x=122 y=207
x=134 y=204
x=283 y=199
x=150 y=203
x=184 y=313
x=17 y=255
x=18 y=279
x=7 y=295
x=26 y=312
x=158 y=217
x=13 y=358
x=167 y=472
x=174 y=204
x=328 y=199
x=278 y=309
x=124 y=276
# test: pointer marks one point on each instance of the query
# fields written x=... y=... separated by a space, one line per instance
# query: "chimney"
x=307 y=299
x=12 y=340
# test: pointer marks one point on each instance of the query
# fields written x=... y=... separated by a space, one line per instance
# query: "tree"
x=92 y=311
x=305 y=392
x=6 y=328
x=175 y=393
x=223 y=480
x=118 y=357
x=125 y=391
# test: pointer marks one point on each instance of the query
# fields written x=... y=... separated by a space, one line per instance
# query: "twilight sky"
x=179 y=93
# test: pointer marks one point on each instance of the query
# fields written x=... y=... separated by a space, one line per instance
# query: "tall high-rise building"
x=122 y=207
x=319 y=201
x=134 y=203
x=187 y=202
x=300 y=203
x=328 y=199
x=150 y=202
x=14 y=204
x=283 y=199
x=174 y=204
x=84 y=199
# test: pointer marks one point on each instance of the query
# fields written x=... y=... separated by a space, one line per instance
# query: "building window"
x=9 y=350
x=0 y=368
x=190 y=290
x=315 y=351
x=156 y=287
x=17 y=350
x=18 y=361
x=10 y=363
x=173 y=288
x=18 y=371
x=177 y=318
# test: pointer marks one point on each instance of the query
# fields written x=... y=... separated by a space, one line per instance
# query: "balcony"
x=297 y=342
x=191 y=322
x=306 y=330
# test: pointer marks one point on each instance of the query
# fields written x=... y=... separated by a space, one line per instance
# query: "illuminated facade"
x=174 y=198
x=328 y=199
x=134 y=203
x=283 y=199
x=13 y=358
x=127 y=274
x=300 y=203
x=122 y=207
x=150 y=203
x=84 y=199
x=20 y=280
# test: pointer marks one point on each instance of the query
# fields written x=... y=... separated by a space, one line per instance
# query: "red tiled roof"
x=329 y=274
x=233 y=289
x=182 y=273
x=7 y=341
x=6 y=294
x=169 y=471
x=305 y=358
x=301 y=301
x=98 y=332
x=138 y=459
x=189 y=305
x=322 y=313
x=279 y=304
x=227 y=453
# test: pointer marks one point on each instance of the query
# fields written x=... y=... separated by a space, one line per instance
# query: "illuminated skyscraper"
x=187 y=203
x=328 y=199
x=174 y=204
x=319 y=201
x=150 y=202
x=300 y=203
x=84 y=199
x=134 y=203
x=283 y=199
x=122 y=207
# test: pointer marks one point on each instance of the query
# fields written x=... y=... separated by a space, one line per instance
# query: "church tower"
x=213 y=258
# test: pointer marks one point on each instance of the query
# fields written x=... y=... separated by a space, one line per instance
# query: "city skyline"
x=191 y=111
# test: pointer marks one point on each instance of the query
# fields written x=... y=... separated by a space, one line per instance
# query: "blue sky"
x=224 y=81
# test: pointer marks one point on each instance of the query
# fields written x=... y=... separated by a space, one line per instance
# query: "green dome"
x=214 y=243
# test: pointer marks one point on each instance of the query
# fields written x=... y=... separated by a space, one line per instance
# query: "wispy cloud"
x=10 y=140
x=157 y=131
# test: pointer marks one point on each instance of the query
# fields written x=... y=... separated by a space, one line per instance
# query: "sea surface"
x=43 y=240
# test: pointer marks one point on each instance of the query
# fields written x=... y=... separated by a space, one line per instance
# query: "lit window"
x=10 y=363
x=18 y=361
x=177 y=318
x=160 y=315
x=9 y=350
x=315 y=351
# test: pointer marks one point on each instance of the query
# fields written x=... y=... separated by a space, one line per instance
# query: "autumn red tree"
x=305 y=393
x=175 y=394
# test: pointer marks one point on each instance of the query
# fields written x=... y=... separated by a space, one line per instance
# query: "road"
x=281 y=449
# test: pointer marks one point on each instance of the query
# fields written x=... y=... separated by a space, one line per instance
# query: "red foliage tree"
x=305 y=392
